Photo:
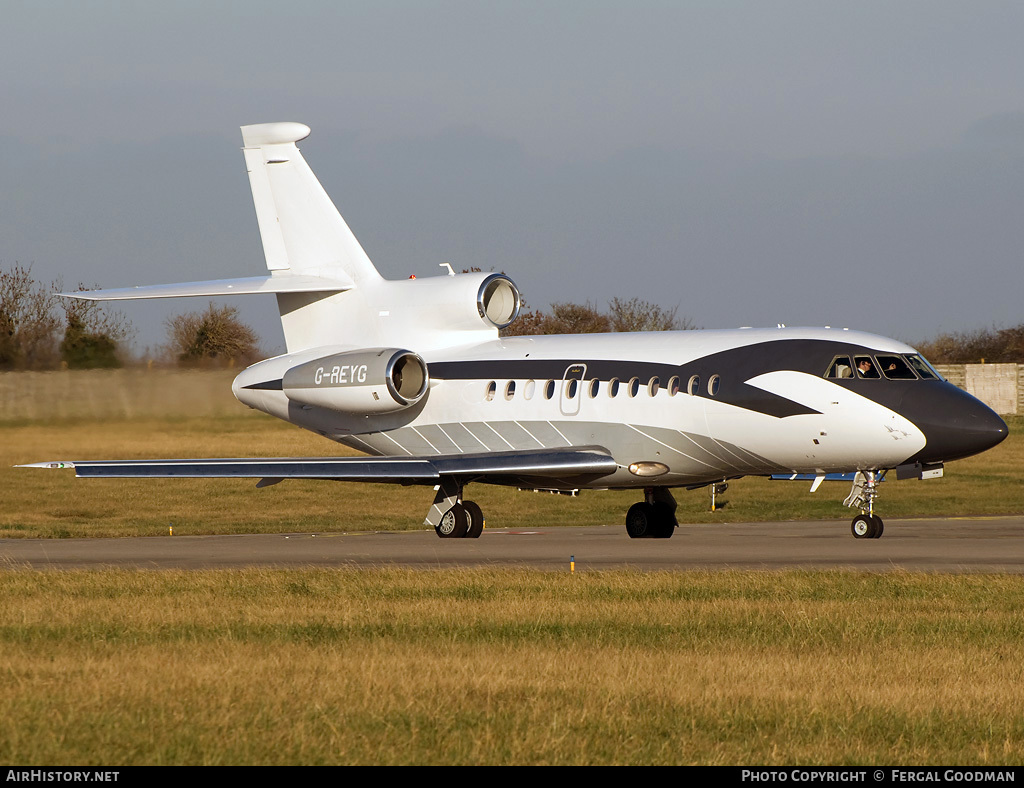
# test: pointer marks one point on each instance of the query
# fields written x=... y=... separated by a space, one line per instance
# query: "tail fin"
x=302 y=231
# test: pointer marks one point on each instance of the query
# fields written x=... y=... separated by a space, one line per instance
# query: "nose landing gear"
x=867 y=524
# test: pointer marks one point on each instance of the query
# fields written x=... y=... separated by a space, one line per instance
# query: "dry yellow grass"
x=275 y=667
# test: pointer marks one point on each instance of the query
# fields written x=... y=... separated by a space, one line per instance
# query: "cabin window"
x=840 y=368
x=510 y=389
x=595 y=386
x=529 y=388
x=634 y=387
x=673 y=386
x=549 y=389
x=713 y=384
x=923 y=368
x=613 y=387
x=693 y=386
x=895 y=368
x=570 y=388
x=653 y=385
x=492 y=387
x=866 y=367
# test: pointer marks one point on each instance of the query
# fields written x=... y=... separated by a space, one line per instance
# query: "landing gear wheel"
x=454 y=523
x=664 y=521
x=640 y=521
x=867 y=526
x=476 y=519
x=863 y=526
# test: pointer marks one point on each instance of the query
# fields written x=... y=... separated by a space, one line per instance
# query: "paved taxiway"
x=968 y=544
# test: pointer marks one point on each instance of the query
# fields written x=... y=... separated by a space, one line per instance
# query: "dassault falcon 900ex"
x=415 y=374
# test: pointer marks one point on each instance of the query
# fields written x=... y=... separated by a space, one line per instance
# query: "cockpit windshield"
x=895 y=368
x=890 y=365
x=923 y=368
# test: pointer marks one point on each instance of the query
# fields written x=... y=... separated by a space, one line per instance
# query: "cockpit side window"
x=895 y=368
x=866 y=367
x=923 y=368
x=840 y=368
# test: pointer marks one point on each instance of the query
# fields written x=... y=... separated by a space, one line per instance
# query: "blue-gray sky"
x=851 y=164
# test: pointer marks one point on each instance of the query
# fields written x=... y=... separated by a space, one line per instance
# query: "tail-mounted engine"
x=362 y=382
x=438 y=310
x=498 y=300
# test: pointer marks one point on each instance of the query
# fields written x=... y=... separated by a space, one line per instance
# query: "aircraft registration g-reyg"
x=415 y=374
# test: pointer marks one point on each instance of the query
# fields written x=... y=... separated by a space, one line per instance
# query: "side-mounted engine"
x=363 y=382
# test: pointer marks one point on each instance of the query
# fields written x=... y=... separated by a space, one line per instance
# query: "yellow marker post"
x=572 y=564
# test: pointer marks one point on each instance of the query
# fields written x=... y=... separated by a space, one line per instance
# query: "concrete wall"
x=1000 y=386
x=116 y=394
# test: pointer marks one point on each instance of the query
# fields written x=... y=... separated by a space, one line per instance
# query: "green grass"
x=40 y=503
x=509 y=666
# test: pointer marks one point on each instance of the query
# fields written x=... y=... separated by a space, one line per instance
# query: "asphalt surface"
x=963 y=544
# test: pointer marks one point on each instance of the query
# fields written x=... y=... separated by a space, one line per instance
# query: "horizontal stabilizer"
x=220 y=287
x=587 y=460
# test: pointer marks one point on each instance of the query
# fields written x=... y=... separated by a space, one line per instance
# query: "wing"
x=220 y=287
x=554 y=466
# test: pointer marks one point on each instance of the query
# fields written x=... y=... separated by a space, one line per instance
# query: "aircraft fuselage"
x=682 y=408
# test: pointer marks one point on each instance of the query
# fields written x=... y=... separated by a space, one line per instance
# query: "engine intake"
x=364 y=382
x=498 y=300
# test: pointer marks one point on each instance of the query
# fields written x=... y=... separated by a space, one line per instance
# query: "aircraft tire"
x=863 y=527
x=640 y=521
x=475 y=518
x=454 y=523
x=664 y=521
x=879 y=527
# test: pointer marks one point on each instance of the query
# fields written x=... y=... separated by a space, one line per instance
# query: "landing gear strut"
x=867 y=524
x=451 y=517
x=654 y=517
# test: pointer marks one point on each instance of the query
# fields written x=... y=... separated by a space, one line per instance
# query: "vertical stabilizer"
x=302 y=231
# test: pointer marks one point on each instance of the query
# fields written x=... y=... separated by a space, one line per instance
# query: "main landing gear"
x=867 y=524
x=451 y=517
x=654 y=517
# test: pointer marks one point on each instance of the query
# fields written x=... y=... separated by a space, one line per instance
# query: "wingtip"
x=51 y=465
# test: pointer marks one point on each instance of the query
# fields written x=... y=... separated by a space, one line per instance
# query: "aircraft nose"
x=954 y=423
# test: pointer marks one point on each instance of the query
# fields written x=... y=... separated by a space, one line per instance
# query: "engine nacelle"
x=498 y=300
x=362 y=382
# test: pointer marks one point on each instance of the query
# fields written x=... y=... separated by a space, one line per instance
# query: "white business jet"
x=415 y=374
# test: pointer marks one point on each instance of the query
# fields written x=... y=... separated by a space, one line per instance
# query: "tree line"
x=565 y=317
x=990 y=345
x=40 y=330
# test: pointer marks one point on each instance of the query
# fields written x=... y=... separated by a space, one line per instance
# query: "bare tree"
x=638 y=315
x=28 y=321
x=527 y=324
x=215 y=336
x=568 y=318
